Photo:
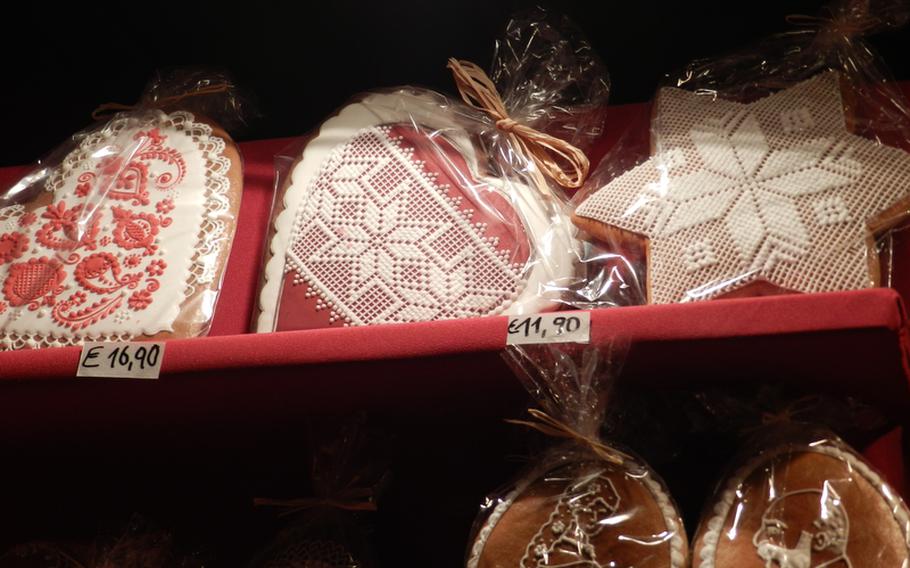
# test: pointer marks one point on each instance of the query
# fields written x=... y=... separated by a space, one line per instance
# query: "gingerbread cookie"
x=583 y=514
x=127 y=239
x=774 y=194
x=388 y=216
x=805 y=506
x=309 y=554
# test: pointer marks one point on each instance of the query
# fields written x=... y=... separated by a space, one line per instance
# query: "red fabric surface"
x=853 y=341
x=885 y=455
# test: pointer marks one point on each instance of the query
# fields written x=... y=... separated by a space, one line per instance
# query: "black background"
x=303 y=60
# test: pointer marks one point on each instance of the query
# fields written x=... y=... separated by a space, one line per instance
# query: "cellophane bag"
x=123 y=231
x=798 y=496
x=330 y=528
x=411 y=205
x=781 y=168
x=140 y=544
x=584 y=502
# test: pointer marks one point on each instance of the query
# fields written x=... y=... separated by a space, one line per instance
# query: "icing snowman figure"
x=820 y=544
x=565 y=540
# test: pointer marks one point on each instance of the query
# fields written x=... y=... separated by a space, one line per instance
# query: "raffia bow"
x=546 y=424
x=851 y=22
x=349 y=500
x=107 y=109
x=560 y=161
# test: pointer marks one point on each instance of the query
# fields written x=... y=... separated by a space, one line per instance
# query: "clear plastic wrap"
x=409 y=205
x=139 y=545
x=327 y=530
x=584 y=502
x=800 y=497
x=779 y=169
x=123 y=232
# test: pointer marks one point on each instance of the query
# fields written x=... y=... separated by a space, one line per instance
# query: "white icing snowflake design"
x=775 y=190
x=379 y=240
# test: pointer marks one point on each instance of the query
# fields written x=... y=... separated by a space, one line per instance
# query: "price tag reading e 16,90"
x=565 y=327
x=121 y=359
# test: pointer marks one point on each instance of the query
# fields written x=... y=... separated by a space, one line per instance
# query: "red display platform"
x=197 y=444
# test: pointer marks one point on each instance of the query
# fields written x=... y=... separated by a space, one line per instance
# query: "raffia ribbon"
x=107 y=109
x=833 y=26
x=560 y=161
x=350 y=500
x=550 y=426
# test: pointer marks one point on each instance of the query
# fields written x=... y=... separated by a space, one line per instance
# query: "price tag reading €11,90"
x=566 y=327
x=125 y=360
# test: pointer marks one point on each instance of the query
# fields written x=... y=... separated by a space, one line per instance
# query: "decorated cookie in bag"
x=408 y=206
x=804 y=502
x=126 y=238
x=388 y=222
x=777 y=191
x=329 y=528
x=585 y=503
x=773 y=170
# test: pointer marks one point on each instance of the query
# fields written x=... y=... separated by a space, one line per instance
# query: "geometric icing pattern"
x=775 y=190
x=115 y=266
x=378 y=238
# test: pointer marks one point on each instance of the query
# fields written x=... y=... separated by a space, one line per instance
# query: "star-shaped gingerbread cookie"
x=777 y=191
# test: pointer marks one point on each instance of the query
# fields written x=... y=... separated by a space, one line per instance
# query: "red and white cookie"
x=387 y=217
x=127 y=239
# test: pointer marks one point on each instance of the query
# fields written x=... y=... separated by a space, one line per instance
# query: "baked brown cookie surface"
x=804 y=507
x=583 y=514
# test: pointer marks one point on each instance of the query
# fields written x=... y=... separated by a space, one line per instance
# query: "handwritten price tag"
x=125 y=360
x=566 y=327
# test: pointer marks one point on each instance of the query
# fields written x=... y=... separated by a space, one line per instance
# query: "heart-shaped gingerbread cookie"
x=387 y=218
x=127 y=237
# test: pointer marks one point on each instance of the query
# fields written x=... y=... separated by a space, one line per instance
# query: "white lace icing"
x=643 y=475
x=353 y=120
x=119 y=266
x=776 y=190
x=705 y=557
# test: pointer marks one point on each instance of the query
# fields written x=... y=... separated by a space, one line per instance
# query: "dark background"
x=302 y=60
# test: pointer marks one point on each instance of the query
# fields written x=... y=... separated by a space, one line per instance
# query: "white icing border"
x=663 y=500
x=202 y=267
x=706 y=556
x=550 y=260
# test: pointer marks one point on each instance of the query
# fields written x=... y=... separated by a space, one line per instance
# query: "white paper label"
x=557 y=327
x=124 y=360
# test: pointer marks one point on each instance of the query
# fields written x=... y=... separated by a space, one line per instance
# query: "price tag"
x=125 y=360
x=557 y=327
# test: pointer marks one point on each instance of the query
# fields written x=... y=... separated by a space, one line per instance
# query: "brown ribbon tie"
x=107 y=109
x=550 y=426
x=350 y=500
x=560 y=161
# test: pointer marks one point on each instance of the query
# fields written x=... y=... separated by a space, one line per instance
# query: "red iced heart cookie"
x=384 y=219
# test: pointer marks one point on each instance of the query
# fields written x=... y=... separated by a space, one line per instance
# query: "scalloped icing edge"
x=405 y=106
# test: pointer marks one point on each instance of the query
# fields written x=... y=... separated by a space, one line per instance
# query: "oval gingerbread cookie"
x=126 y=238
x=388 y=216
x=589 y=514
x=805 y=506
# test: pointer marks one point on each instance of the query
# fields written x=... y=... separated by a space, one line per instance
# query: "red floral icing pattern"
x=101 y=283
x=12 y=246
